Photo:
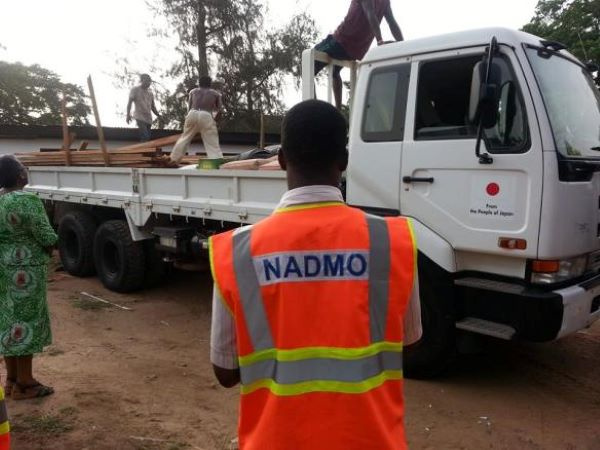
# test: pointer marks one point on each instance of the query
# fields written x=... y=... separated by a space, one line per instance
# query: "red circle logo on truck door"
x=493 y=189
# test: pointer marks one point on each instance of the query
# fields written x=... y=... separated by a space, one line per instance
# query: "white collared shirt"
x=223 y=349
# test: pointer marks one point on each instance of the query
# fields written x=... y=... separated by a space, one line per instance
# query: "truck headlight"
x=550 y=272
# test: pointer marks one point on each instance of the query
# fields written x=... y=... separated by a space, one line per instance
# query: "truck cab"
x=506 y=213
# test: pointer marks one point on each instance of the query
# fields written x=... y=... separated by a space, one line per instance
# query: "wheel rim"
x=110 y=254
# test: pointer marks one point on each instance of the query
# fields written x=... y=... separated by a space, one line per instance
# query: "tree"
x=31 y=95
x=575 y=23
x=229 y=39
x=254 y=64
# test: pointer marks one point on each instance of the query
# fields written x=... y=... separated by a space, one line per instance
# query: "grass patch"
x=68 y=411
x=89 y=305
x=47 y=424
x=178 y=446
x=54 y=351
x=161 y=445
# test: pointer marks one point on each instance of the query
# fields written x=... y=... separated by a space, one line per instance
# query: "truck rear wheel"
x=75 y=243
x=120 y=261
x=437 y=348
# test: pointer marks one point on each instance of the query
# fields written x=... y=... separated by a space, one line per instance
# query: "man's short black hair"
x=314 y=136
x=10 y=171
x=205 y=82
x=145 y=76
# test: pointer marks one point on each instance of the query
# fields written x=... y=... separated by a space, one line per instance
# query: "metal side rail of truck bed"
x=223 y=195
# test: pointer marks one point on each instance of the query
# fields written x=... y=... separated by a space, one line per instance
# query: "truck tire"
x=434 y=353
x=75 y=243
x=120 y=261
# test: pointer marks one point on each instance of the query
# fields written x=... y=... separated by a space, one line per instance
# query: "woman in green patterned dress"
x=26 y=240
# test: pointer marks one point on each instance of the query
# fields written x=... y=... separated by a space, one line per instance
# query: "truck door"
x=444 y=185
x=376 y=136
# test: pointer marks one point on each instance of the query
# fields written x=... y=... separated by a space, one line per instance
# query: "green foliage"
x=43 y=425
x=229 y=40
x=254 y=64
x=575 y=23
x=31 y=95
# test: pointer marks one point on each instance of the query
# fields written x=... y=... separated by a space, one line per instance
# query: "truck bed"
x=241 y=196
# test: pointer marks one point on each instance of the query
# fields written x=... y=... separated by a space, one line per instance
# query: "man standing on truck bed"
x=143 y=98
x=354 y=36
x=312 y=305
x=202 y=103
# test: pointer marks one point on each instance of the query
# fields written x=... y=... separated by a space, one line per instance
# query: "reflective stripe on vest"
x=294 y=372
x=4 y=425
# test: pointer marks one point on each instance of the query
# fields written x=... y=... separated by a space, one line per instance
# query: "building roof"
x=120 y=134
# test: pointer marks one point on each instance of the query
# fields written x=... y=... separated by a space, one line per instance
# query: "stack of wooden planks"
x=145 y=154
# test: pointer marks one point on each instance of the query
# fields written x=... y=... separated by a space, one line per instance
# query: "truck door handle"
x=410 y=180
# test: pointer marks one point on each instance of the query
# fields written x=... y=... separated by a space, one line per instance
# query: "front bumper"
x=535 y=314
x=581 y=306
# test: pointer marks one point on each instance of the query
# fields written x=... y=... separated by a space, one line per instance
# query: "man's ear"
x=281 y=159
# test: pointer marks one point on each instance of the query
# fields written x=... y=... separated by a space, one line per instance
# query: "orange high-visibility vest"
x=4 y=426
x=318 y=293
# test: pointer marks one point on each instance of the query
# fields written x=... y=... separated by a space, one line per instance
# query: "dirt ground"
x=141 y=379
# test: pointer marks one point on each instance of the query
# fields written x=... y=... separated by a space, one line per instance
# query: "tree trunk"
x=201 y=36
x=250 y=86
x=249 y=99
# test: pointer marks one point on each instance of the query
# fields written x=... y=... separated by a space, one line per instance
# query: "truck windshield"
x=572 y=102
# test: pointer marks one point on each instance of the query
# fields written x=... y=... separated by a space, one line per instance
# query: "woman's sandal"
x=8 y=387
x=25 y=392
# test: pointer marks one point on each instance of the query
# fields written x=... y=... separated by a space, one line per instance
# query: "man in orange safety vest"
x=310 y=306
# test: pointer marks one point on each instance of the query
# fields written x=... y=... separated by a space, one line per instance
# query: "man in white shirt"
x=313 y=305
x=142 y=97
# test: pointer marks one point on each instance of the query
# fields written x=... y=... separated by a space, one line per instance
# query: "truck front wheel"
x=75 y=244
x=120 y=261
x=436 y=349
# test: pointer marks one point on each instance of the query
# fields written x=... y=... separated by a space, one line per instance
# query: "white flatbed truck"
x=487 y=139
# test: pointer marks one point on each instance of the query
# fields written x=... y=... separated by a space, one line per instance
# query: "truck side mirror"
x=485 y=95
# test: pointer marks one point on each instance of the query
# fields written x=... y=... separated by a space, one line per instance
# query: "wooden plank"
x=83 y=157
x=65 y=131
x=46 y=152
x=105 y=154
x=162 y=142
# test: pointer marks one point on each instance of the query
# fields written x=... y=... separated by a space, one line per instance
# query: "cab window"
x=443 y=105
x=385 y=107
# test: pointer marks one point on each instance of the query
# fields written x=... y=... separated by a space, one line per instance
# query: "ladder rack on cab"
x=309 y=58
